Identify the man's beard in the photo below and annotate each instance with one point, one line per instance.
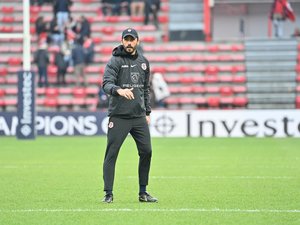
(130, 49)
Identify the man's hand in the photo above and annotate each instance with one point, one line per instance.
(148, 119)
(126, 93)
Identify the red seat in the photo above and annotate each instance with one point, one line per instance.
(212, 89)
(186, 80)
(239, 79)
(34, 10)
(7, 19)
(237, 47)
(137, 19)
(298, 102)
(211, 70)
(185, 89)
(65, 90)
(7, 9)
(213, 48)
(78, 101)
(226, 91)
(211, 79)
(109, 30)
(174, 90)
(200, 101)
(185, 100)
(50, 102)
(169, 79)
(3, 71)
(64, 102)
(198, 89)
(163, 19)
(92, 90)
(239, 89)
(52, 70)
(226, 79)
(148, 39)
(51, 92)
(96, 40)
(213, 102)
(172, 101)
(2, 93)
(240, 101)
(226, 101)
(112, 19)
(298, 88)
(11, 102)
(79, 92)
(14, 61)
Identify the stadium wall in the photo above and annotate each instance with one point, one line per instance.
(212, 123)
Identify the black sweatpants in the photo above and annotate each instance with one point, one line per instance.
(118, 130)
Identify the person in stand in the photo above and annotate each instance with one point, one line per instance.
(281, 10)
(127, 82)
(41, 58)
(79, 63)
(152, 7)
(62, 66)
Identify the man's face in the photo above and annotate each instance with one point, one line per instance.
(130, 43)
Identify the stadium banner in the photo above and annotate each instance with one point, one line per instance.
(245, 123)
(26, 105)
(168, 123)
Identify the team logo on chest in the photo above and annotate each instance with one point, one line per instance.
(134, 77)
(144, 66)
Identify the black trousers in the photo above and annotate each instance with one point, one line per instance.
(118, 130)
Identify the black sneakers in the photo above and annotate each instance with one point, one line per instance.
(146, 197)
(108, 198)
(143, 197)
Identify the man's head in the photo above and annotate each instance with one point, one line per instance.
(130, 40)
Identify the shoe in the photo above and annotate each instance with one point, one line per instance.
(146, 197)
(108, 198)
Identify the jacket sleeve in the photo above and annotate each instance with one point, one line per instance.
(110, 77)
(147, 90)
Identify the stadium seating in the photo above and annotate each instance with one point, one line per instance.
(199, 75)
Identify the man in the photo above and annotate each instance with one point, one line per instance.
(126, 81)
(281, 10)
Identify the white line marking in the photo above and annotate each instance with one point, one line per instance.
(214, 210)
(219, 177)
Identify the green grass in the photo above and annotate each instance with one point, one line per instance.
(198, 181)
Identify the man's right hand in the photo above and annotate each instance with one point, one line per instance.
(126, 93)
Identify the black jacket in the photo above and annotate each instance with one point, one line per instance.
(127, 71)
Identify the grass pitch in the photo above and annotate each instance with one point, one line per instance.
(198, 181)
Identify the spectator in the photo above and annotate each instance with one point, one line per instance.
(62, 12)
(84, 29)
(152, 6)
(55, 34)
(78, 61)
(137, 7)
(281, 10)
(61, 67)
(106, 7)
(41, 58)
(66, 49)
(40, 25)
(88, 47)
